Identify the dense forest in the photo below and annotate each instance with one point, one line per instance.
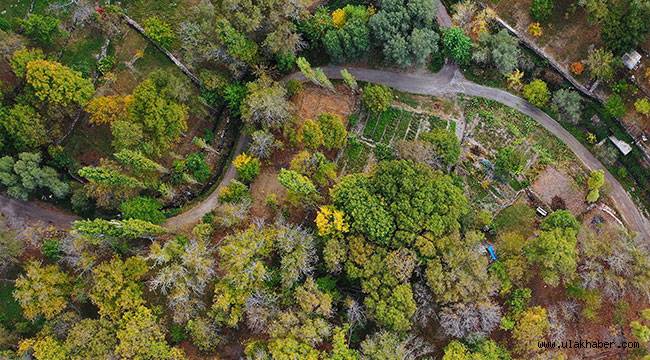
(289, 179)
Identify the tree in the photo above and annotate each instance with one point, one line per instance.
(299, 187)
(445, 145)
(625, 25)
(536, 92)
(555, 252)
(91, 339)
(156, 119)
(182, 271)
(349, 38)
(247, 167)
(463, 320)
(330, 222)
(236, 43)
(349, 80)
(24, 127)
(24, 176)
(509, 161)
(377, 98)
(42, 290)
(334, 131)
(100, 230)
(405, 30)
(483, 349)
(140, 336)
(159, 31)
(501, 49)
(58, 85)
(614, 106)
(41, 28)
(138, 163)
(262, 144)
(105, 110)
(601, 64)
(569, 104)
(143, 208)
(108, 185)
(541, 10)
(116, 286)
(310, 134)
(204, 334)
(595, 181)
(314, 166)
(458, 46)
(385, 345)
(22, 57)
(44, 348)
(316, 76)
(532, 327)
(642, 106)
(266, 104)
(196, 165)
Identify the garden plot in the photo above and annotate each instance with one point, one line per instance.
(397, 124)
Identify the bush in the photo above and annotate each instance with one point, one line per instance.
(196, 165)
(248, 167)
(509, 161)
(536, 92)
(458, 46)
(143, 208)
(234, 192)
(294, 87)
(614, 106)
(42, 29)
(310, 134)
(333, 130)
(377, 98)
(286, 62)
(51, 249)
(541, 10)
(159, 31)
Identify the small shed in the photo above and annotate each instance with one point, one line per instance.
(624, 147)
(631, 59)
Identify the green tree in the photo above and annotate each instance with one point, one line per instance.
(237, 44)
(350, 40)
(405, 30)
(140, 336)
(299, 187)
(377, 98)
(642, 106)
(159, 31)
(334, 131)
(91, 339)
(108, 185)
(117, 288)
(310, 134)
(536, 92)
(509, 161)
(501, 49)
(568, 104)
(43, 29)
(42, 290)
(595, 181)
(143, 208)
(541, 10)
(203, 334)
(625, 25)
(156, 119)
(614, 106)
(138, 162)
(458, 46)
(554, 251)
(248, 167)
(445, 145)
(24, 127)
(26, 175)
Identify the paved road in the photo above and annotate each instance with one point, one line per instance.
(193, 215)
(19, 213)
(449, 81)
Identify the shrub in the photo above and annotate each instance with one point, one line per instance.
(614, 106)
(333, 130)
(458, 46)
(51, 249)
(41, 28)
(248, 167)
(159, 31)
(642, 106)
(541, 10)
(377, 98)
(510, 161)
(234, 192)
(143, 208)
(196, 165)
(294, 87)
(310, 134)
(536, 92)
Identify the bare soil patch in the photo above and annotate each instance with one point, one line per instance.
(314, 100)
(553, 183)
